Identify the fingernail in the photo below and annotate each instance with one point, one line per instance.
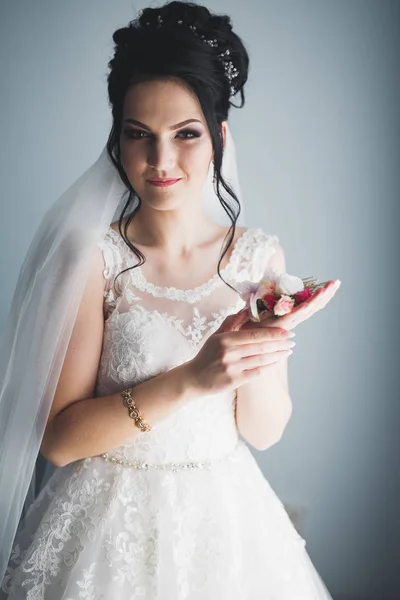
(337, 284)
(285, 333)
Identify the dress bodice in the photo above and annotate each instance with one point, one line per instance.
(101, 530)
(150, 329)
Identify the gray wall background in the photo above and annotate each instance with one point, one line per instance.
(318, 149)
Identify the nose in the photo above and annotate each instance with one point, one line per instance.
(161, 156)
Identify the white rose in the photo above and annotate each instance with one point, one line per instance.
(288, 284)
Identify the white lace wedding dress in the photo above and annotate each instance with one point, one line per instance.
(106, 530)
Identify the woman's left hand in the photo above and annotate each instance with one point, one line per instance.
(300, 313)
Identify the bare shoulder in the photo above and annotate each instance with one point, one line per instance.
(114, 226)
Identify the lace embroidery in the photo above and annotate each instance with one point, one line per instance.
(201, 291)
(135, 332)
(247, 261)
(250, 241)
(132, 341)
(107, 535)
(97, 531)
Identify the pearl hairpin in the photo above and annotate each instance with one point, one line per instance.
(231, 72)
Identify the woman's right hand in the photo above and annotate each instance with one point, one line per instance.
(230, 358)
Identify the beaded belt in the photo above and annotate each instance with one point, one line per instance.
(144, 465)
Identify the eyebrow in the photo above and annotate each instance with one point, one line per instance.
(172, 128)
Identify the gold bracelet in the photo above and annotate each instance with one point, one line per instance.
(134, 412)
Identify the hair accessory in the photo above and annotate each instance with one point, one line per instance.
(231, 72)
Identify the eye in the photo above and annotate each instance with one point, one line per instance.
(136, 134)
(191, 132)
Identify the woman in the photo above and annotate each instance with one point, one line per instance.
(168, 503)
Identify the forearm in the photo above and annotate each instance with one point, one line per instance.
(263, 409)
(95, 425)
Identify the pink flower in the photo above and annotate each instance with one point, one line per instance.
(270, 301)
(284, 306)
(303, 295)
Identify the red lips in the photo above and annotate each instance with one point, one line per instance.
(162, 182)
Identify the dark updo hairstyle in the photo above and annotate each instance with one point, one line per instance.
(145, 51)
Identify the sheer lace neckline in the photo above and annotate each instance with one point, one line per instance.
(202, 289)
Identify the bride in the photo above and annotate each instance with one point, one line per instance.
(146, 372)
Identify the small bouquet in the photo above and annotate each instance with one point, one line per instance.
(276, 294)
